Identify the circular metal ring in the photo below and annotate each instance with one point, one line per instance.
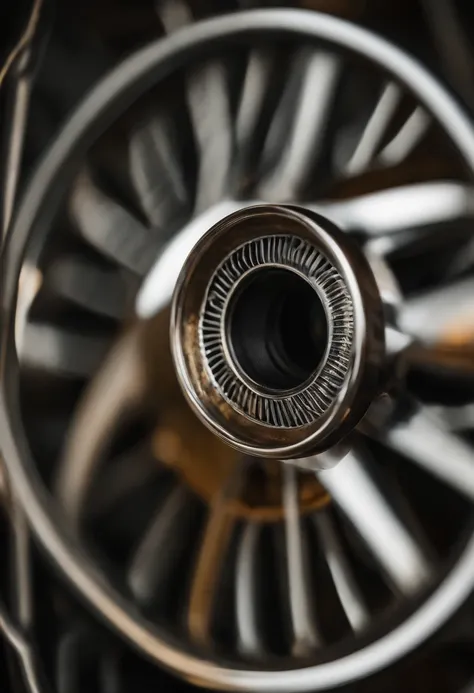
(41, 201)
(298, 421)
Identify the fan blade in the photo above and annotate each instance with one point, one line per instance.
(387, 213)
(255, 106)
(391, 544)
(424, 440)
(456, 418)
(209, 107)
(437, 315)
(111, 229)
(374, 131)
(342, 574)
(246, 598)
(207, 95)
(299, 126)
(300, 588)
(117, 388)
(407, 138)
(218, 531)
(61, 351)
(98, 290)
(157, 173)
(158, 552)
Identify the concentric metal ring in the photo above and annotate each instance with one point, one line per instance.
(320, 411)
(305, 405)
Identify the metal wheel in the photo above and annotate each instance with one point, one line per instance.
(151, 476)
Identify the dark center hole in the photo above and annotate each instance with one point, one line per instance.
(277, 329)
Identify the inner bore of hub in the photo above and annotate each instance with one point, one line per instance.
(277, 329)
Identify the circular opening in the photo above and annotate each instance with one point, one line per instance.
(277, 329)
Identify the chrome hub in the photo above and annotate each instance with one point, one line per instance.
(277, 332)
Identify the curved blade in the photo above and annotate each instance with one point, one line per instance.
(62, 351)
(207, 96)
(94, 288)
(117, 388)
(424, 440)
(157, 173)
(342, 574)
(110, 228)
(301, 589)
(246, 598)
(217, 533)
(299, 127)
(390, 542)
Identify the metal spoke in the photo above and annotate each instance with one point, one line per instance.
(94, 288)
(300, 588)
(456, 418)
(157, 553)
(210, 113)
(407, 138)
(342, 574)
(116, 389)
(157, 173)
(391, 544)
(207, 95)
(389, 212)
(110, 228)
(212, 553)
(434, 315)
(299, 127)
(424, 440)
(246, 598)
(374, 131)
(253, 99)
(62, 351)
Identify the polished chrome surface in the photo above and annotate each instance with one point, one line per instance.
(277, 339)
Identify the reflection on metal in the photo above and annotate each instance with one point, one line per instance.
(424, 440)
(62, 351)
(409, 207)
(211, 555)
(207, 96)
(342, 573)
(156, 172)
(375, 129)
(300, 588)
(14, 146)
(292, 147)
(18, 67)
(252, 103)
(241, 368)
(117, 390)
(404, 142)
(246, 597)
(392, 545)
(110, 228)
(158, 286)
(442, 315)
